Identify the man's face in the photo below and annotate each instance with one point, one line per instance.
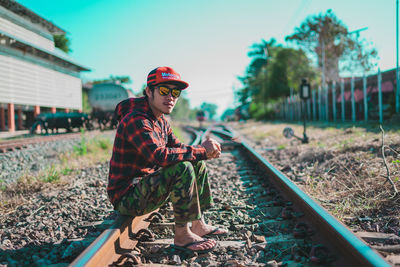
(162, 104)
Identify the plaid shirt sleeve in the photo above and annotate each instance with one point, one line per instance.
(151, 144)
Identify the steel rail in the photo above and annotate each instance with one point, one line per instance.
(116, 241)
(354, 250)
(112, 243)
(9, 145)
(20, 143)
(197, 135)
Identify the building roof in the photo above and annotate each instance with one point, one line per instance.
(28, 14)
(27, 47)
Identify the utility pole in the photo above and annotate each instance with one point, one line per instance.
(359, 30)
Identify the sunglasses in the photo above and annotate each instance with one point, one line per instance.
(165, 91)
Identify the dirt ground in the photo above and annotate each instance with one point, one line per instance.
(341, 167)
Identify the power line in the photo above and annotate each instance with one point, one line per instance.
(300, 10)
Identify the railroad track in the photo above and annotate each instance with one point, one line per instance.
(18, 144)
(271, 221)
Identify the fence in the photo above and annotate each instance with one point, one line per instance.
(369, 98)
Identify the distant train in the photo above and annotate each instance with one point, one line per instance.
(242, 113)
(103, 99)
(47, 122)
(201, 115)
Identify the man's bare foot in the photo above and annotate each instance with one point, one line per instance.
(184, 236)
(200, 228)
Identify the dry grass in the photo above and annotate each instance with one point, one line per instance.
(87, 153)
(342, 168)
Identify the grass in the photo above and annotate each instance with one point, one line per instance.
(81, 148)
(281, 147)
(260, 135)
(356, 188)
(88, 152)
(321, 145)
(52, 175)
(336, 198)
(2, 185)
(351, 183)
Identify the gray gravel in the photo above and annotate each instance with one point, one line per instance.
(37, 157)
(59, 222)
(55, 225)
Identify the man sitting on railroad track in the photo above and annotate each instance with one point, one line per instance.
(150, 166)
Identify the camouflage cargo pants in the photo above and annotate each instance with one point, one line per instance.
(176, 183)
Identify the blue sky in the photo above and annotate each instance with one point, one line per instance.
(205, 41)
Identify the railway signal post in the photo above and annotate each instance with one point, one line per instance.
(304, 95)
(201, 116)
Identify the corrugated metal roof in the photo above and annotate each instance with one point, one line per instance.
(56, 53)
(387, 87)
(26, 13)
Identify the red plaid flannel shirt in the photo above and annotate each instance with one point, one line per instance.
(142, 144)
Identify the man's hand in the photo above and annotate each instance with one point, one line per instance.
(213, 148)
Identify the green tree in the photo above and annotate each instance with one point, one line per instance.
(286, 70)
(210, 108)
(274, 69)
(181, 110)
(254, 80)
(228, 114)
(361, 58)
(270, 78)
(328, 38)
(62, 42)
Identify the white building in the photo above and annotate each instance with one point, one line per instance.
(34, 74)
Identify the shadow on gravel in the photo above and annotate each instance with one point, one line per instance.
(61, 253)
(36, 255)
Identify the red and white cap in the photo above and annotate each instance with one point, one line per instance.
(165, 75)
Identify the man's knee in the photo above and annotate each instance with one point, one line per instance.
(183, 168)
(200, 165)
(186, 164)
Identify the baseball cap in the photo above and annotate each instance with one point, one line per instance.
(165, 75)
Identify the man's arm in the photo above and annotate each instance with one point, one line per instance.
(213, 148)
(139, 132)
